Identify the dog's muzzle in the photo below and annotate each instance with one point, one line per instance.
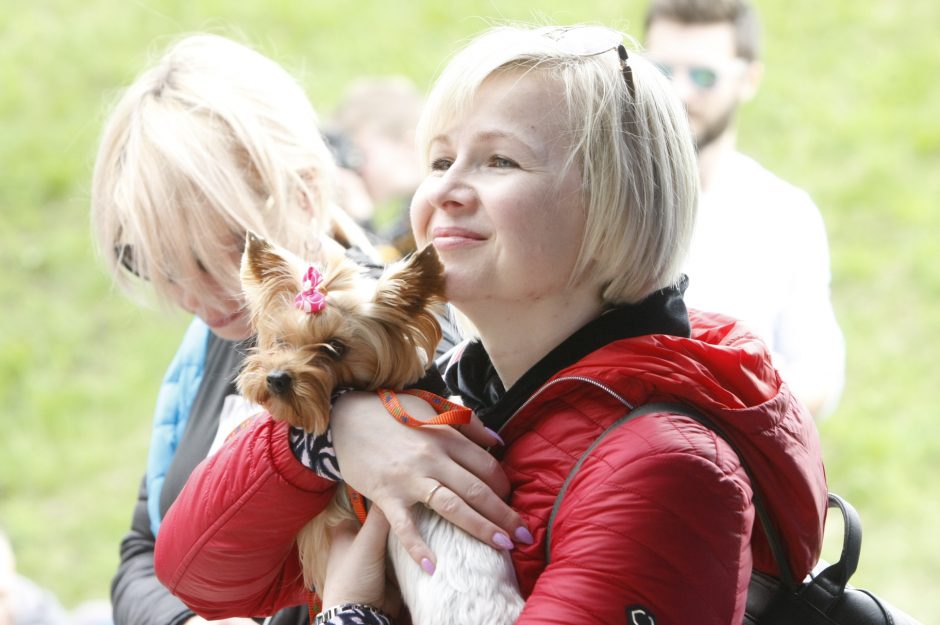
(279, 382)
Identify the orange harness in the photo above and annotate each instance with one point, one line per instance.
(448, 413)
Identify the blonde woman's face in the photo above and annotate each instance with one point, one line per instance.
(223, 311)
(504, 212)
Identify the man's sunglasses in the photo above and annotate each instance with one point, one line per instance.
(702, 77)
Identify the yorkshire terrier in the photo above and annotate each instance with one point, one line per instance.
(318, 332)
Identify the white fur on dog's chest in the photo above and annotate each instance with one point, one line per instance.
(473, 583)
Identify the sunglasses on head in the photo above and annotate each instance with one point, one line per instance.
(591, 41)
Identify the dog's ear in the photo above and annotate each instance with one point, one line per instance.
(266, 274)
(411, 285)
(406, 298)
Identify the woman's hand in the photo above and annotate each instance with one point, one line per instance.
(396, 467)
(355, 569)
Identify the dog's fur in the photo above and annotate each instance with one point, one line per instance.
(371, 334)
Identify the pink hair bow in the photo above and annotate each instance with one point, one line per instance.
(310, 300)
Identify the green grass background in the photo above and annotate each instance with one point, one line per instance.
(848, 110)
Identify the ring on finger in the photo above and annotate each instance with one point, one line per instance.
(427, 500)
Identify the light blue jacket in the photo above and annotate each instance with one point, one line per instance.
(177, 393)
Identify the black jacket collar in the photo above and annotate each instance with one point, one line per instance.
(474, 378)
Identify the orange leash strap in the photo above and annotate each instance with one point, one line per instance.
(448, 413)
(358, 503)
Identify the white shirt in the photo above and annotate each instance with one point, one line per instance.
(760, 254)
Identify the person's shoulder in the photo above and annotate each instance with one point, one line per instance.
(37, 605)
(778, 199)
(747, 170)
(666, 458)
(663, 440)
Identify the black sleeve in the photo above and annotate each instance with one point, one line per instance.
(137, 597)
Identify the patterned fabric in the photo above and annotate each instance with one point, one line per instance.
(316, 453)
(353, 614)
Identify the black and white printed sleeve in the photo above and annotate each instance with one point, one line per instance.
(316, 453)
(353, 614)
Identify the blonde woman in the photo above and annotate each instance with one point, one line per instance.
(210, 142)
(560, 194)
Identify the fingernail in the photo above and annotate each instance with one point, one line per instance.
(496, 436)
(428, 566)
(523, 535)
(502, 541)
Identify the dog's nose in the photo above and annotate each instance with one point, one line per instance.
(279, 382)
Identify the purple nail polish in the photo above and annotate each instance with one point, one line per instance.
(502, 541)
(428, 566)
(496, 436)
(523, 535)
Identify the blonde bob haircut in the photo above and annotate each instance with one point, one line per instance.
(635, 152)
(212, 141)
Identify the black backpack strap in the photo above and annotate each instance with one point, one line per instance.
(633, 414)
(777, 546)
(838, 574)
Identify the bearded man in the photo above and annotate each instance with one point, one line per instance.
(760, 251)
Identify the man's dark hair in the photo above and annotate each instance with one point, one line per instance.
(739, 13)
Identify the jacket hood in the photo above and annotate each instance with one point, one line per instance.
(720, 366)
(725, 371)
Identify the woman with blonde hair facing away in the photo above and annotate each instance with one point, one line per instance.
(560, 194)
(212, 141)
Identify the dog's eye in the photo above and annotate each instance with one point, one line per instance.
(335, 348)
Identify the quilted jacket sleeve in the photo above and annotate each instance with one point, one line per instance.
(136, 595)
(226, 546)
(663, 538)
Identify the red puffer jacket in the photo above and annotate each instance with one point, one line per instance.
(658, 520)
